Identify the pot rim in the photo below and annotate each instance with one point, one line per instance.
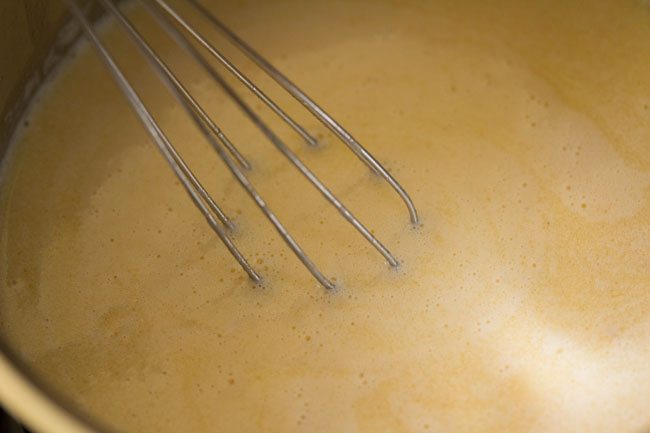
(35, 403)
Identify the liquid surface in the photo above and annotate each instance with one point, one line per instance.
(522, 303)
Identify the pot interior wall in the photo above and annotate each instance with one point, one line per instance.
(27, 36)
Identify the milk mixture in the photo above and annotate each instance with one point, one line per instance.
(522, 303)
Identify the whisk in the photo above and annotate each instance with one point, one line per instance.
(184, 33)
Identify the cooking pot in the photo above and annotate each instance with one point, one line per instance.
(35, 35)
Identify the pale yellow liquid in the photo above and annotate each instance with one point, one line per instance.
(522, 304)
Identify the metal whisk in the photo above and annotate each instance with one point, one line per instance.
(183, 33)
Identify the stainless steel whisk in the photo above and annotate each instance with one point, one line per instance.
(183, 33)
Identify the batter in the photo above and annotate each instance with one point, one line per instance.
(522, 303)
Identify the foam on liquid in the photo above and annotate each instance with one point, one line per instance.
(522, 303)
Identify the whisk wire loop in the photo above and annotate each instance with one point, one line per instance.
(305, 100)
(159, 138)
(225, 149)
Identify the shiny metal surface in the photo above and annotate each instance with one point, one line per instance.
(222, 145)
(302, 97)
(36, 35)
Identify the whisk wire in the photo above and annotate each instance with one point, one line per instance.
(159, 137)
(304, 170)
(303, 98)
(181, 40)
(232, 166)
(225, 149)
(309, 139)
